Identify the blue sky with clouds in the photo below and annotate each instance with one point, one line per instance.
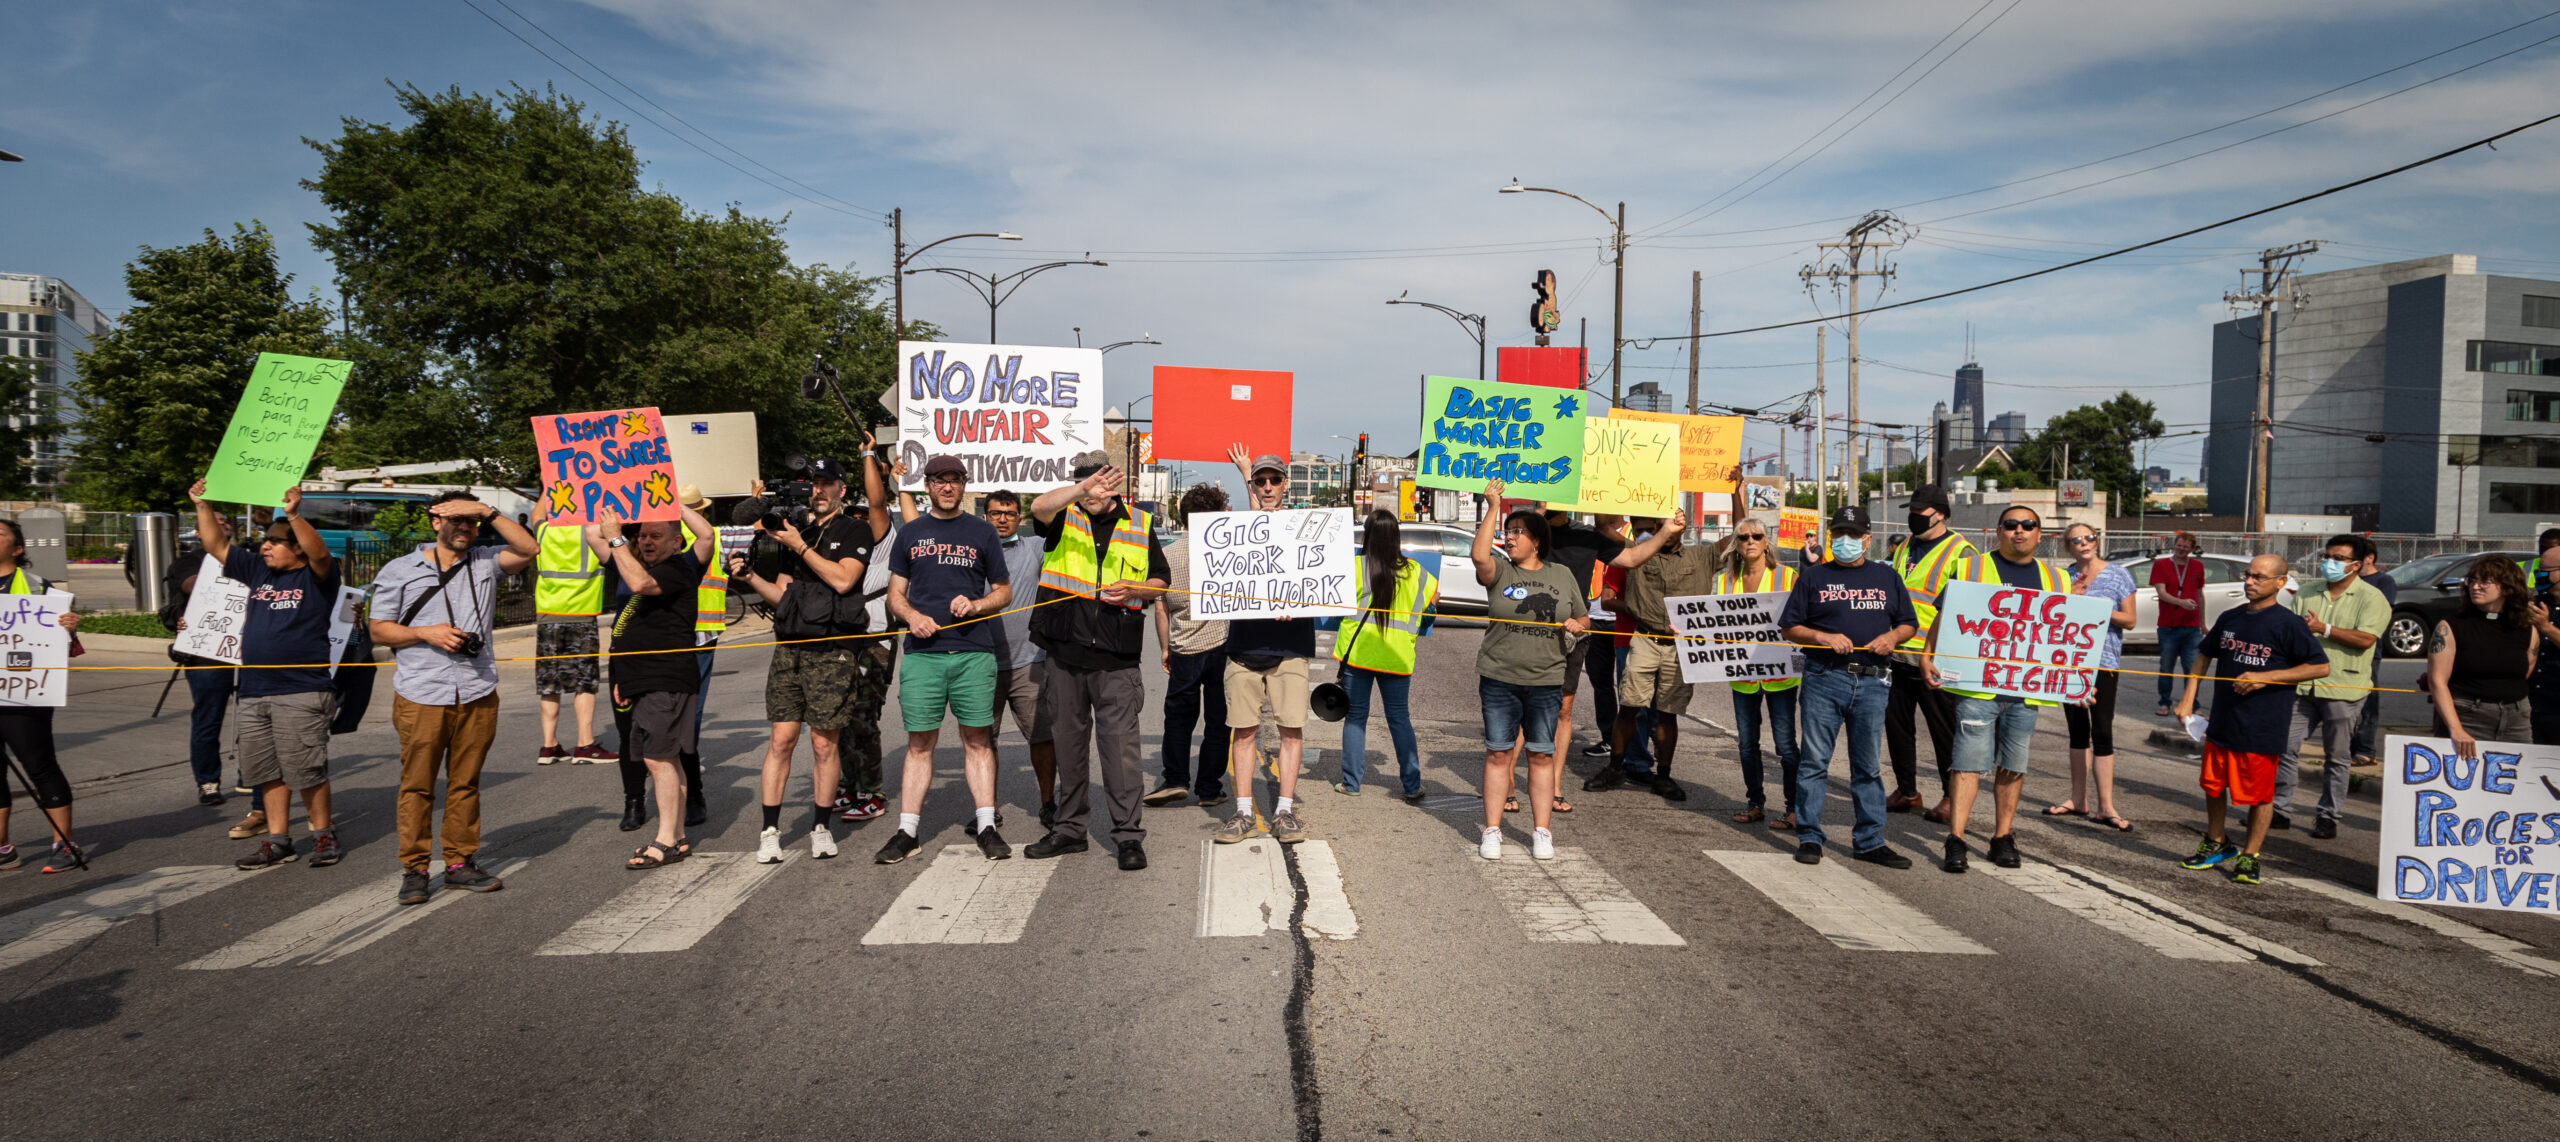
(1263, 177)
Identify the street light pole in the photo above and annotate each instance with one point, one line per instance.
(899, 255)
(1617, 255)
(996, 288)
(1473, 323)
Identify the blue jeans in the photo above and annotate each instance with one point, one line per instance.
(1355, 726)
(702, 665)
(210, 690)
(1992, 732)
(1781, 706)
(1513, 713)
(1835, 699)
(2179, 647)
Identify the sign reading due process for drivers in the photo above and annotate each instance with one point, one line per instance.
(2001, 640)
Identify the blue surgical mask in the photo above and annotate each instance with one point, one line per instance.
(2333, 570)
(1846, 548)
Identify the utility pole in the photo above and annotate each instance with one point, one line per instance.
(897, 280)
(1821, 427)
(1618, 305)
(2275, 283)
(1878, 231)
(1697, 319)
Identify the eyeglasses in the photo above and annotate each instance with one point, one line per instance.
(1269, 481)
(1514, 533)
(1004, 513)
(2020, 525)
(2077, 540)
(264, 540)
(947, 478)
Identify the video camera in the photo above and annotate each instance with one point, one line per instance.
(785, 503)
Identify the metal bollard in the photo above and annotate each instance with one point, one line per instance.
(155, 542)
(46, 536)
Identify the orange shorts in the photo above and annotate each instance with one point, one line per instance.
(2250, 778)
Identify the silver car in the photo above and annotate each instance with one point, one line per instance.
(2222, 591)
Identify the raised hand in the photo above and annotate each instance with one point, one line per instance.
(1493, 492)
(293, 501)
(195, 491)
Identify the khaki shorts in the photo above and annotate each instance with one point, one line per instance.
(1284, 686)
(1651, 678)
(1021, 690)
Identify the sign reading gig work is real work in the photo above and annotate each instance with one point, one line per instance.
(274, 430)
(1017, 415)
(1996, 640)
(2480, 832)
(1528, 437)
(614, 460)
(1733, 638)
(1273, 565)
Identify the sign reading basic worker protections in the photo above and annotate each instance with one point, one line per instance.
(1733, 638)
(2001, 640)
(2467, 832)
(34, 650)
(1629, 467)
(1529, 438)
(614, 459)
(281, 416)
(1017, 415)
(1273, 565)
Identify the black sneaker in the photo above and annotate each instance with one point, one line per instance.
(1883, 855)
(1808, 853)
(2282, 821)
(10, 857)
(1668, 789)
(470, 877)
(2324, 829)
(900, 847)
(1610, 777)
(325, 850)
(993, 846)
(1132, 858)
(272, 851)
(413, 886)
(1596, 749)
(1957, 860)
(1054, 845)
(2004, 850)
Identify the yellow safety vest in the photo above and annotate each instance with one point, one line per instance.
(1070, 564)
(1977, 568)
(711, 597)
(567, 581)
(1923, 579)
(1779, 577)
(1385, 643)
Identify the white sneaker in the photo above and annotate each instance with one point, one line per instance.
(769, 847)
(1490, 848)
(822, 844)
(1542, 844)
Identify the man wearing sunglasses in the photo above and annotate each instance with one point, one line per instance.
(286, 699)
(1993, 732)
(1266, 662)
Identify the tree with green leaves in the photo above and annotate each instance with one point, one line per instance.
(29, 417)
(156, 391)
(2101, 440)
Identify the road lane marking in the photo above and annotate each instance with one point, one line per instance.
(2510, 952)
(1571, 899)
(2268, 948)
(1245, 891)
(48, 928)
(339, 926)
(1843, 907)
(2115, 914)
(671, 909)
(964, 898)
(1454, 802)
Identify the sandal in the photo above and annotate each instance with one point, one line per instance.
(641, 861)
(684, 847)
(2065, 809)
(1560, 805)
(1511, 804)
(2119, 824)
(1783, 822)
(1754, 813)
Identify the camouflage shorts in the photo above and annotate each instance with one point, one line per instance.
(858, 747)
(574, 674)
(814, 683)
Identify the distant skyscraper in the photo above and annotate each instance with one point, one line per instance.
(2008, 428)
(1648, 396)
(1968, 398)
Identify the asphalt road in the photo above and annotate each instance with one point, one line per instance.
(1675, 975)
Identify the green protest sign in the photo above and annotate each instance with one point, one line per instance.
(1527, 436)
(275, 429)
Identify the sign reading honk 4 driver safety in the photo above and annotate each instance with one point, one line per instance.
(1016, 415)
(1273, 565)
(2001, 640)
(613, 460)
(274, 430)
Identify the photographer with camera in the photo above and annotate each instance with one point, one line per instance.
(817, 602)
(435, 608)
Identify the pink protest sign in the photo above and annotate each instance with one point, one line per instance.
(616, 459)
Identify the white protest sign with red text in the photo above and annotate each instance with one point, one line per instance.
(1014, 415)
(1994, 639)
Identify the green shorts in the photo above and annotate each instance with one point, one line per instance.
(964, 683)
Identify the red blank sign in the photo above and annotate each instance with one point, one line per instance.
(1558, 366)
(1199, 412)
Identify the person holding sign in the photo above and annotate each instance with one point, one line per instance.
(1395, 597)
(1103, 566)
(2259, 651)
(2092, 724)
(1922, 561)
(209, 684)
(946, 567)
(2349, 618)
(1993, 731)
(653, 668)
(1266, 662)
(1851, 614)
(1751, 568)
(817, 609)
(285, 694)
(27, 731)
(1533, 613)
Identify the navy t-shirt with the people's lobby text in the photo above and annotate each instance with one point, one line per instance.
(287, 625)
(1861, 602)
(2245, 640)
(942, 560)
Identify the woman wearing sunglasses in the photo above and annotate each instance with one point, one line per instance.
(1750, 568)
(2093, 739)
(2480, 659)
(1533, 611)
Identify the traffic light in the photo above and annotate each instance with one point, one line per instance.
(1544, 317)
(1360, 453)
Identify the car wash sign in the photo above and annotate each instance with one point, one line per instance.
(1015, 415)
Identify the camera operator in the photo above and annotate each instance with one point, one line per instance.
(817, 596)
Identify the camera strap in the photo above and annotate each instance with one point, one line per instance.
(420, 603)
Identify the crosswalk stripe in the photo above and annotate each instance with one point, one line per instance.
(1245, 891)
(2268, 948)
(1843, 907)
(1454, 802)
(43, 930)
(2505, 950)
(1571, 899)
(671, 909)
(2115, 914)
(964, 898)
(339, 926)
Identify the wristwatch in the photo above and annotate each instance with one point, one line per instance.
(617, 541)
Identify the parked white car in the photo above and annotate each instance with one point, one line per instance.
(2222, 591)
(1459, 591)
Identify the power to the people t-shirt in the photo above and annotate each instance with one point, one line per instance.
(942, 560)
(284, 641)
(2246, 639)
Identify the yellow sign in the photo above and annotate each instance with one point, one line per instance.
(1710, 448)
(1629, 467)
(1404, 500)
(1796, 525)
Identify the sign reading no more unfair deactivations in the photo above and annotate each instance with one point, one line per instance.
(1015, 415)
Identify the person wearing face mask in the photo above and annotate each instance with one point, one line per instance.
(1922, 563)
(2349, 618)
(1850, 613)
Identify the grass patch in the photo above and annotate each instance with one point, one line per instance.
(147, 626)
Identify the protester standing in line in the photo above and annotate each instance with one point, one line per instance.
(1659, 569)
(2259, 652)
(948, 567)
(1266, 663)
(710, 620)
(1534, 611)
(1103, 566)
(859, 781)
(286, 699)
(1022, 671)
(1395, 598)
(210, 682)
(1993, 731)
(818, 612)
(1921, 561)
(2179, 616)
(444, 681)
(2092, 723)
(27, 731)
(2480, 658)
(1852, 614)
(1579, 550)
(654, 675)
(568, 597)
(2544, 686)
(2349, 617)
(2368, 745)
(1195, 666)
(1749, 567)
